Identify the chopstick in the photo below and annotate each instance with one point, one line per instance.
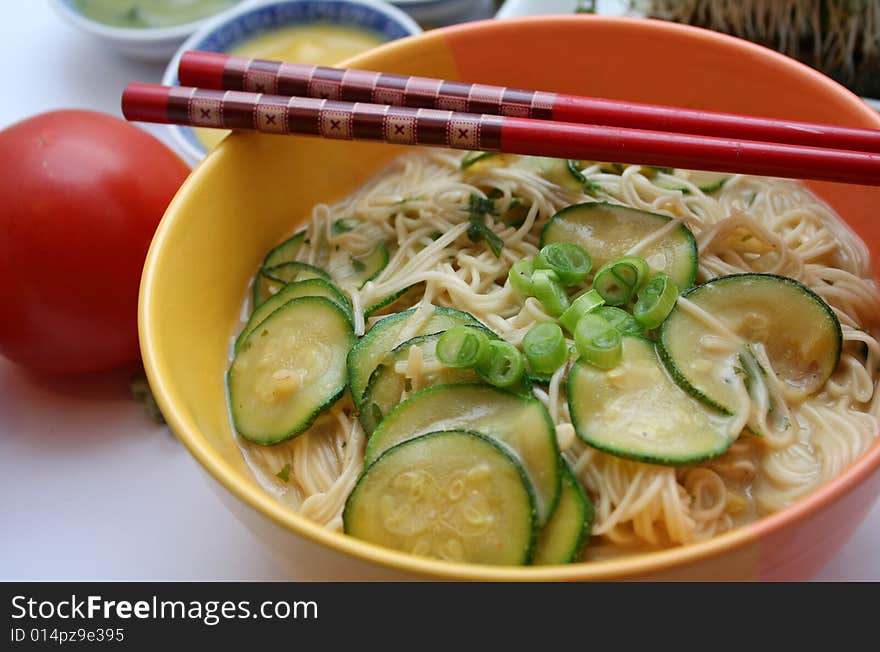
(278, 114)
(226, 72)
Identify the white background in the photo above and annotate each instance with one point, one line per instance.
(90, 489)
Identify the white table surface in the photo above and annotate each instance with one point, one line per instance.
(90, 488)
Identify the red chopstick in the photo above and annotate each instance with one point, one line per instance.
(225, 72)
(279, 114)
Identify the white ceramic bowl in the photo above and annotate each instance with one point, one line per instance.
(146, 44)
(235, 26)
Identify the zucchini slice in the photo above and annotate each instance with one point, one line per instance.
(386, 386)
(471, 159)
(607, 231)
(355, 272)
(285, 252)
(397, 302)
(568, 530)
(636, 411)
(372, 348)
(289, 369)
(799, 331)
(519, 422)
(313, 287)
(563, 172)
(270, 280)
(707, 182)
(453, 495)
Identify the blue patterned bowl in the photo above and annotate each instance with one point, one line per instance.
(232, 28)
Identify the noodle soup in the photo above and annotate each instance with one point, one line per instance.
(567, 360)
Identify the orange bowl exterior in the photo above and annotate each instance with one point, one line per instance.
(254, 189)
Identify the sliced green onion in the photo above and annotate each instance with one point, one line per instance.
(520, 276)
(624, 322)
(547, 290)
(503, 366)
(618, 280)
(598, 342)
(544, 348)
(584, 303)
(463, 347)
(568, 260)
(656, 301)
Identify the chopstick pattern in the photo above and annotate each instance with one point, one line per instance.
(277, 114)
(227, 72)
(348, 85)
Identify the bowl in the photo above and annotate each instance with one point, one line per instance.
(232, 28)
(250, 191)
(146, 44)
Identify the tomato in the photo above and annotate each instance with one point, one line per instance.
(81, 194)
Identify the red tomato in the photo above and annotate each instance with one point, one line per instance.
(80, 196)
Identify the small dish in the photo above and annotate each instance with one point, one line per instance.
(232, 28)
(144, 43)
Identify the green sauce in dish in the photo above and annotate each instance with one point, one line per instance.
(149, 13)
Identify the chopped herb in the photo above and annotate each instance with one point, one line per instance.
(358, 265)
(751, 199)
(435, 235)
(478, 209)
(344, 225)
(592, 186)
(284, 474)
(585, 7)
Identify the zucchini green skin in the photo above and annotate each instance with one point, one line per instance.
(285, 252)
(562, 540)
(529, 434)
(277, 277)
(473, 156)
(503, 548)
(369, 351)
(381, 262)
(560, 226)
(313, 287)
(707, 182)
(691, 385)
(406, 297)
(312, 309)
(686, 432)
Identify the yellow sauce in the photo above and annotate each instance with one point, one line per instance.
(322, 44)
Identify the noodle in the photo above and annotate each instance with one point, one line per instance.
(750, 225)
